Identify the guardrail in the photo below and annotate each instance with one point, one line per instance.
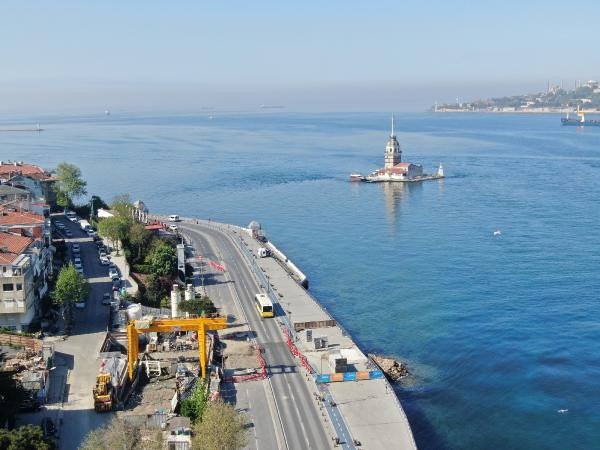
(261, 278)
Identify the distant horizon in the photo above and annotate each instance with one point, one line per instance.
(76, 97)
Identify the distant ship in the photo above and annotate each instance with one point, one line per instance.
(581, 121)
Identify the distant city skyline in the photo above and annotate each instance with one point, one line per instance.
(136, 55)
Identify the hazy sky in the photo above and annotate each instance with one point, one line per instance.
(178, 54)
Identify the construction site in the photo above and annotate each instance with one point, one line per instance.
(150, 363)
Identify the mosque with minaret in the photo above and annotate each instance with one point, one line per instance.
(394, 169)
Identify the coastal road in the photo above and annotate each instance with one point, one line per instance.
(294, 404)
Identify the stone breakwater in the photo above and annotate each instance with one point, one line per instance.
(394, 370)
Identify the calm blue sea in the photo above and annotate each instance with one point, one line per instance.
(501, 332)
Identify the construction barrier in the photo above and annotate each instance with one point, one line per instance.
(296, 352)
(349, 376)
(255, 376)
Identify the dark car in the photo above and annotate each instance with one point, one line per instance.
(48, 427)
(29, 405)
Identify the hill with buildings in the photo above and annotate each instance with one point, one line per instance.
(556, 99)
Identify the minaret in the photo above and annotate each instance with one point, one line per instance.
(393, 154)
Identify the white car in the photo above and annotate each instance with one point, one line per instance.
(104, 261)
(80, 305)
(113, 273)
(174, 218)
(173, 227)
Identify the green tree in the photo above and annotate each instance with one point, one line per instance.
(122, 435)
(154, 289)
(28, 437)
(139, 237)
(198, 306)
(221, 428)
(69, 184)
(71, 287)
(194, 406)
(115, 229)
(163, 260)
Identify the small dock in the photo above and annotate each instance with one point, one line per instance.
(368, 179)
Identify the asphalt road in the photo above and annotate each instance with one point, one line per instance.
(297, 412)
(79, 352)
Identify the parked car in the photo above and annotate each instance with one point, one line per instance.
(48, 427)
(104, 261)
(174, 218)
(106, 298)
(29, 404)
(113, 272)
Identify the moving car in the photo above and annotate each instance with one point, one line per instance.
(173, 227)
(75, 246)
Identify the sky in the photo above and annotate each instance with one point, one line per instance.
(323, 55)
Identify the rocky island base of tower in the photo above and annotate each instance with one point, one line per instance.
(396, 170)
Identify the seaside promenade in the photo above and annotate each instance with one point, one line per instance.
(289, 409)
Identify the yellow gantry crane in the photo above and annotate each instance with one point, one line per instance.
(201, 325)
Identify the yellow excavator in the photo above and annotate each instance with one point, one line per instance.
(103, 393)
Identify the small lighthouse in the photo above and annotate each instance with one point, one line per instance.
(441, 171)
(393, 154)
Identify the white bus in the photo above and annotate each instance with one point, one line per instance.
(263, 305)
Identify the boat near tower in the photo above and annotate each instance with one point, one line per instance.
(394, 169)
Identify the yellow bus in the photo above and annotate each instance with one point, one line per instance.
(263, 305)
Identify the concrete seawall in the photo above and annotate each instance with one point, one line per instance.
(369, 408)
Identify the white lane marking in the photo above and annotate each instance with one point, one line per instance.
(253, 421)
(298, 412)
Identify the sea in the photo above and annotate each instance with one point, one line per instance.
(485, 283)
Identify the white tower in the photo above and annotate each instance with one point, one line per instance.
(175, 299)
(441, 171)
(393, 154)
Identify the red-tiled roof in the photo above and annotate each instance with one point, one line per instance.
(12, 246)
(20, 218)
(10, 169)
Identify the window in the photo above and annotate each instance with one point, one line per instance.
(8, 287)
(19, 287)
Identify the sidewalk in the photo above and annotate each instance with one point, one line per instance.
(130, 285)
